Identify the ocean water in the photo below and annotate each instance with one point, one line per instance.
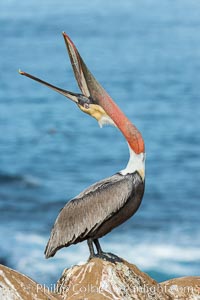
(147, 56)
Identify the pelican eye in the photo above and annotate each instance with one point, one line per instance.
(86, 105)
(84, 101)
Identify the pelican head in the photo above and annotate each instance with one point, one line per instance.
(86, 104)
(94, 100)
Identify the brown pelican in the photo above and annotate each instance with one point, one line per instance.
(111, 201)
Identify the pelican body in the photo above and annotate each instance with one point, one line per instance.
(111, 201)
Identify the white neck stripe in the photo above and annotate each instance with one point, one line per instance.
(136, 163)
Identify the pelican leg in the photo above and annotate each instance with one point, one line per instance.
(98, 246)
(105, 256)
(91, 248)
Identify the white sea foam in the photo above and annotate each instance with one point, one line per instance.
(30, 238)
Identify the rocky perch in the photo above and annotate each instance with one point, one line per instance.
(99, 279)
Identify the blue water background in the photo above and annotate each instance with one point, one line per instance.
(147, 56)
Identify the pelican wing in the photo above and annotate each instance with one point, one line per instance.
(81, 216)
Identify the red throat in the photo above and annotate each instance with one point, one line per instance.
(130, 132)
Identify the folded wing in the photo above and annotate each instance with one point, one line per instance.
(83, 215)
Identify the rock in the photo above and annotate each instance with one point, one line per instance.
(16, 286)
(102, 280)
(99, 279)
(185, 288)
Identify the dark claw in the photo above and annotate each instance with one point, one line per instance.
(107, 257)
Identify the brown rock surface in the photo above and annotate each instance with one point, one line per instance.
(102, 280)
(185, 288)
(99, 279)
(16, 286)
